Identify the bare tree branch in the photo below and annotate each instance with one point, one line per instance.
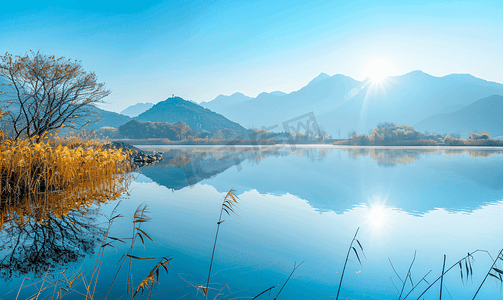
(48, 93)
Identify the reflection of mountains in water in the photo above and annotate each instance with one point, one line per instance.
(338, 184)
(186, 167)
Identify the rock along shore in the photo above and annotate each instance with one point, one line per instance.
(138, 157)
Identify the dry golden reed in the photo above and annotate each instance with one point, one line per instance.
(56, 174)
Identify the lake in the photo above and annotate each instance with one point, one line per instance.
(302, 204)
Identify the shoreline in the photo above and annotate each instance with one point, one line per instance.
(327, 146)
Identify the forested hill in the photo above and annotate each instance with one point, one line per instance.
(195, 116)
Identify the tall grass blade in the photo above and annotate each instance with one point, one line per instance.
(295, 266)
(442, 278)
(71, 281)
(358, 257)
(408, 276)
(490, 274)
(393, 267)
(227, 205)
(263, 292)
(422, 279)
(143, 232)
(140, 258)
(346, 261)
(19, 291)
(458, 263)
(487, 274)
(461, 270)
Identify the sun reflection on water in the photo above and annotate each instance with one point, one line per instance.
(377, 216)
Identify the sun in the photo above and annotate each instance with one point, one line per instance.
(378, 69)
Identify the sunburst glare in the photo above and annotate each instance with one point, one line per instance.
(378, 69)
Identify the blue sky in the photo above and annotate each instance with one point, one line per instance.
(148, 50)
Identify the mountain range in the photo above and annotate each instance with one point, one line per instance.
(456, 103)
(481, 115)
(342, 104)
(322, 93)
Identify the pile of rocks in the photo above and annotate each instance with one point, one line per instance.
(142, 158)
(138, 157)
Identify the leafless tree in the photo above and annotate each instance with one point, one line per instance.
(47, 93)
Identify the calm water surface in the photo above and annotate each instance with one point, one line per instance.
(305, 205)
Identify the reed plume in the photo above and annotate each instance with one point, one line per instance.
(227, 207)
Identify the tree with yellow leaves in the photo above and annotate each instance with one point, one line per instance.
(47, 93)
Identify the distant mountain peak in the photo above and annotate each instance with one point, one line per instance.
(275, 93)
(319, 78)
(236, 97)
(224, 100)
(136, 109)
(466, 75)
(278, 93)
(417, 73)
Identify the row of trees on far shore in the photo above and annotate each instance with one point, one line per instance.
(389, 134)
(178, 131)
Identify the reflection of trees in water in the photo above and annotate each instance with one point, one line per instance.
(473, 153)
(37, 246)
(390, 157)
(45, 231)
(178, 159)
(393, 157)
(312, 154)
(357, 152)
